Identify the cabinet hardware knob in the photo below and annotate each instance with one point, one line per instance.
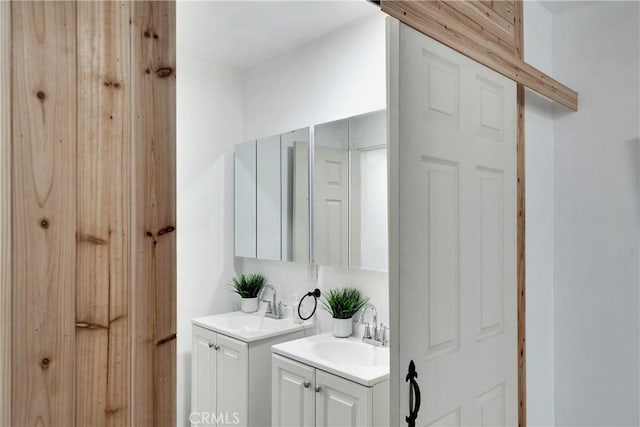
(318, 388)
(211, 345)
(216, 347)
(306, 384)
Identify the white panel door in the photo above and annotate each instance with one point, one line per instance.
(342, 403)
(232, 381)
(457, 236)
(332, 206)
(292, 393)
(268, 200)
(203, 375)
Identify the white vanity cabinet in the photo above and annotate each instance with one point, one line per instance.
(303, 396)
(219, 382)
(231, 367)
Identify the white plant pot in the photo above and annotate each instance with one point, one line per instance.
(249, 305)
(342, 328)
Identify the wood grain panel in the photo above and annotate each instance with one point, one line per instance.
(504, 8)
(469, 26)
(522, 372)
(44, 212)
(430, 18)
(487, 18)
(154, 210)
(103, 192)
(521, 240)
(5, 213)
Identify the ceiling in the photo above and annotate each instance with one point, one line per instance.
(242, 34)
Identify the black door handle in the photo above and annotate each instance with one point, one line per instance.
(414, 395)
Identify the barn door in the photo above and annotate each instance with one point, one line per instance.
(456, 210)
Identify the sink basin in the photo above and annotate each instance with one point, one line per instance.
(350, 353)
(349, 358)
(249, 323)
(249, 327)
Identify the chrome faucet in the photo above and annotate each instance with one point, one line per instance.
(378, 336)
(274, 310)
(367, 331)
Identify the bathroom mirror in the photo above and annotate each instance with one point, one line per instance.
(331, 193)
(368, 154)
(272, 197)
(268, 198)
(350, 217)
(245, 199)
(295, 195)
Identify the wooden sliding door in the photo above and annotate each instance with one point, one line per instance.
(88, 197)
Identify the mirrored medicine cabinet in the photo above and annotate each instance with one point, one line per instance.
(346, 225)
(272, 197)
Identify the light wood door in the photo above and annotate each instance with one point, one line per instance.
(457, 236)
(292, 393)
(342, 403)
(203, 375)
(232, 381)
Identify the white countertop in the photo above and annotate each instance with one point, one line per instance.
(249, 327)
(349, 358)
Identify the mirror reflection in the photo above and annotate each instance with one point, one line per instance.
(268, 198)
(331, 188)
(245, 199)
(368, 148)
(295, 195)
(351, 192)
(272, 197)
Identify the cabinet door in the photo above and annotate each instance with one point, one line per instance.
(342, 403)
(268, 199)
(245, 200)
(232, 381)
(292, 395)
(203, 375)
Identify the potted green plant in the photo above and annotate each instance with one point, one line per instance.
(343, 304)
(248, 286)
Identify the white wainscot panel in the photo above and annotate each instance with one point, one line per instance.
(443, 305)
(491, 252)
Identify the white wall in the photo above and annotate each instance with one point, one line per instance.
(596, 300)
(210, 106)
(338, 76)
(333, 78)
(539, 222)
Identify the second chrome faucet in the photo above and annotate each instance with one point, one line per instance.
(378, 336)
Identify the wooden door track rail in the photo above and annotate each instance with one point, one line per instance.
(484, 33)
